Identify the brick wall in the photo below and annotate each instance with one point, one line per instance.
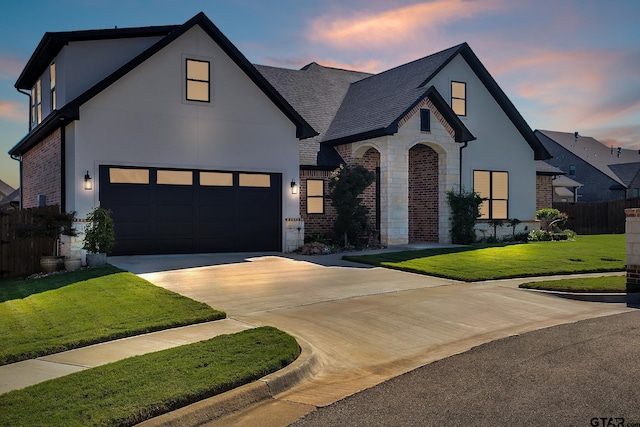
(316, 224)
(42, 172)
(544, 191)
(370, 161)
(632, 231)
(423, 194)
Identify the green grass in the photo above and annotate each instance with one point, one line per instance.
(132, 390)
(76, 309)
(598, 253)
(590, 284)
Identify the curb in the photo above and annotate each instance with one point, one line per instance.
(213, 408)
(611, 297)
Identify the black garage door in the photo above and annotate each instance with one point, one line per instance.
(169, 211)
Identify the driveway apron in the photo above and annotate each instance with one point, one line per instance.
(364, 324)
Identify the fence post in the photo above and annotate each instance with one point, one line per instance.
(632, 228)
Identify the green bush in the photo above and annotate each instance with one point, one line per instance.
(539, 236)
(465, 211)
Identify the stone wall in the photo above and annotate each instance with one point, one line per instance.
(632, 230)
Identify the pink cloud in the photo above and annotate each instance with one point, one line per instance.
(374, 30)
(13, 111)
(10, 67)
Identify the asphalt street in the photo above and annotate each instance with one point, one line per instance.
(580, 374)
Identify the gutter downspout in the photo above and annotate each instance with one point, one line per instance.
(462, 147)
(19, 157)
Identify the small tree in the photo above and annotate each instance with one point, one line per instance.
(346, 185)
(99, 235)
(48, 223)
(514, 223)
(465, 211)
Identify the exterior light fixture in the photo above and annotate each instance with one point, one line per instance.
(294, 187)
(88, 181)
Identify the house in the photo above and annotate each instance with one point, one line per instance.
(602, 173)
(5, 190)
(195, 149)
(548, 184)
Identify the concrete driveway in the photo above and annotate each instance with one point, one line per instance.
(364, 325)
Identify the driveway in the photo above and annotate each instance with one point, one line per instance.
(364, 325)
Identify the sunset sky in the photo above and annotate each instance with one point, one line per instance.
(567, 65)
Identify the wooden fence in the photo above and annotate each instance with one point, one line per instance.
(597, 217)
(20, 257)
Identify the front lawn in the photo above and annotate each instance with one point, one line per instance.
(587, 284)
(61, 312)
(585, 254)
(130, 391)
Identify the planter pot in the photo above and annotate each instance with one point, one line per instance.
(96, 260)
(72, 264)
(49, 264)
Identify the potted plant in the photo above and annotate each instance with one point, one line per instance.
(99, 236)
(49, 223)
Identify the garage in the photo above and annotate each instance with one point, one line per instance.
(171, 211)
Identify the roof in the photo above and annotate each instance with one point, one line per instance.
(5, 189)
(71, 111)
(617, 164)
(544, 168)
(565, 181)
(347, 106)
(14, 196)
(316, 92)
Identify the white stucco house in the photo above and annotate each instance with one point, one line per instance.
(195, 149)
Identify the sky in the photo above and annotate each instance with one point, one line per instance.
(567, 65)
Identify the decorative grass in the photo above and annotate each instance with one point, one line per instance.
(588, 284)
(66, 311)
(585, 254)
(142, 387)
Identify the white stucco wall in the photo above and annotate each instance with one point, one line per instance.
(499, 146)
(142, 120)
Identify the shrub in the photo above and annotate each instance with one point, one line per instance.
(465, 211)
(538, 236)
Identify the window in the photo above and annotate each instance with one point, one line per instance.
(425, 120)
(52, 76)
(255, 180)
(216, 179)
(572, 169)
(128, 176)
(198, 80)
(171, 177)
(459, 98)
(36, 103)
(493, 186)
(636, 192)
(315, 196)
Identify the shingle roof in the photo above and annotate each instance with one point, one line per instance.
(626, 171)
(316, 92)
(597, 154)
(544, 168)
(5, 189)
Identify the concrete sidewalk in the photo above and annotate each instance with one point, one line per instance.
(29, 372)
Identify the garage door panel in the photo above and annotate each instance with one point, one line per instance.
(218, 216)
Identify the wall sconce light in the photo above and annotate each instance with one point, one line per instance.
(88, 181)
(294, 187)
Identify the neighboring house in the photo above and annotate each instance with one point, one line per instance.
(565, 189)
(194, 149)
(604, 173)
(5, 190)
(546, 175)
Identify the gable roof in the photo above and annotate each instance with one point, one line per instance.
(387, 96)
(316, 92)
(5, 189)
(618, 167)
(544, 168)
(71, 111)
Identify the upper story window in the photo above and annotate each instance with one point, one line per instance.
(198, 80)
(425, 120)
(459, 98)
(52, 76)
(572, 169)
(494, 187)
(36, 103)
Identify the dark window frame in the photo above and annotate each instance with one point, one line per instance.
(321, 197)
(458, 98)
(425, 120)
(187, 80)
(489, 200)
